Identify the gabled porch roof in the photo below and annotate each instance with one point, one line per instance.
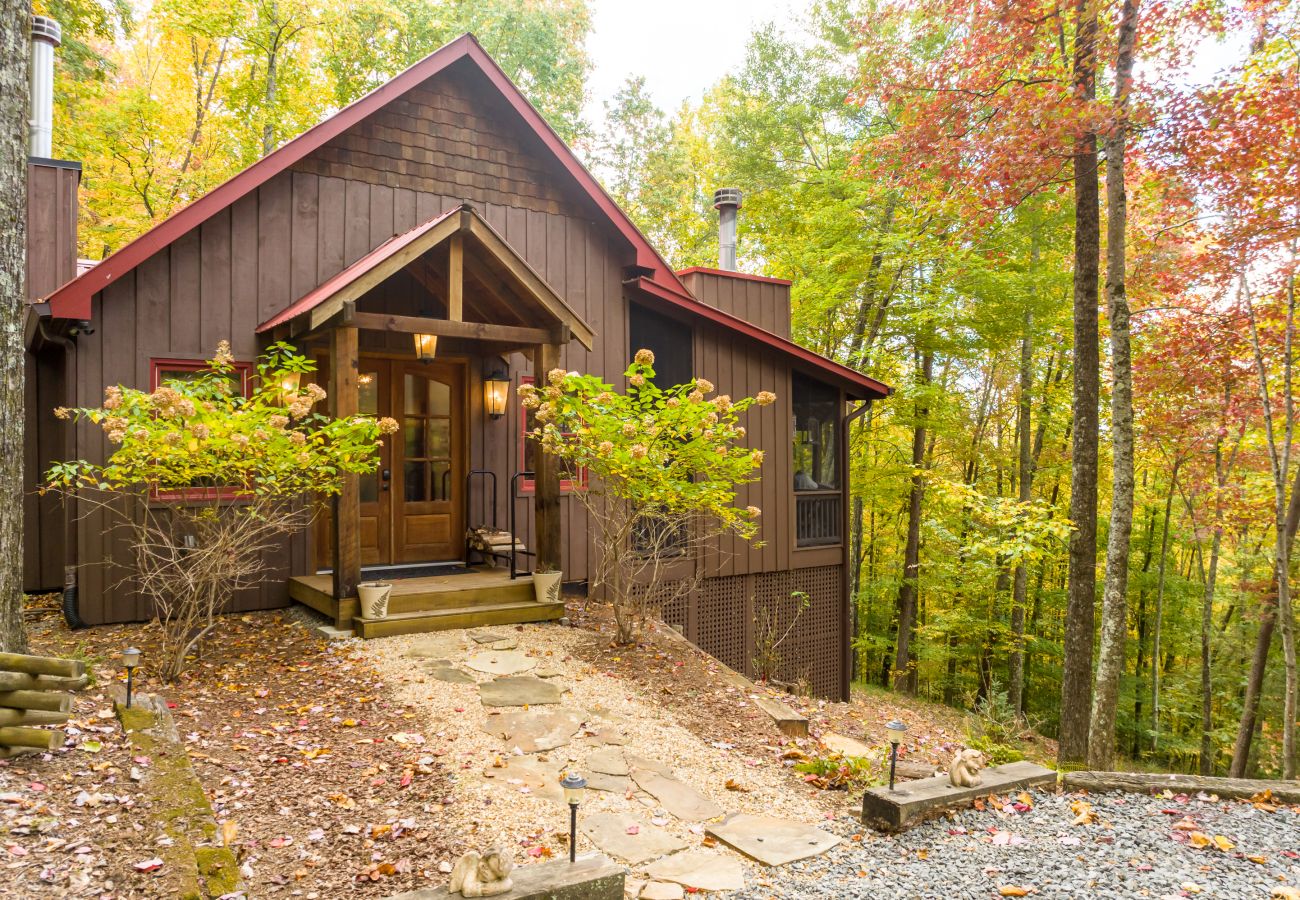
(489, 259)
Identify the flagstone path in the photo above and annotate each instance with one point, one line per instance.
(517, 711)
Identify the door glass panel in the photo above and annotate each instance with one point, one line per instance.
(440, 438)
(415, 475)
(417, 398)
(439, 399)
(369, 485)
(368, 394)
(416, 448)
(442, 480)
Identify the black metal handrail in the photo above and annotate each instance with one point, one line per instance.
(514, 537)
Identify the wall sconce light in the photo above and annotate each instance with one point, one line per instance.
(897, 731)
(426, 345)
(574, 785)
(130, 659)
(289, 382)
(496, 393)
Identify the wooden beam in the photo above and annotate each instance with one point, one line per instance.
(546, 496)
(344, 364)
(483, 331)
(456, 278)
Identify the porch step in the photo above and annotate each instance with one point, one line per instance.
(472, 616)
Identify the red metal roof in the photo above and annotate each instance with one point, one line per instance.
(333, 285)
(867, 388)
(73, 299)
(727, 273)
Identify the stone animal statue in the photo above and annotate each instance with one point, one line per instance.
(482, 875)
(965, 769)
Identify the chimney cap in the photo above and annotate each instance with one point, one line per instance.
(46, 29)
(726, 197)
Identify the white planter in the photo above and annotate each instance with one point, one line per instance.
(547, 586)
(374, 599)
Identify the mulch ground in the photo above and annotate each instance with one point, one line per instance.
(316, 777)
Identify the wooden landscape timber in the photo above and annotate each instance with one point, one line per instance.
(34, 691)
(913, 802)
(1140, 783)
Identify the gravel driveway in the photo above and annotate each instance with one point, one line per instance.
(1138, 847)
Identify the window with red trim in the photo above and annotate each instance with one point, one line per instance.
(569, 479)
(164, 370)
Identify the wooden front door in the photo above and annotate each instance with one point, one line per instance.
(412, 507)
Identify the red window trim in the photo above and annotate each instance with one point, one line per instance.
(169, 364)
(528, 485)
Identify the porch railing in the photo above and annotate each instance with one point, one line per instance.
(817, 518)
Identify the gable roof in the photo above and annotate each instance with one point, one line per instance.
(400, 250)
(73, 299)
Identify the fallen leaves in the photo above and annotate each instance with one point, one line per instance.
(1083, 812)
(148, 865)
(1264, 802)
(1012, 890)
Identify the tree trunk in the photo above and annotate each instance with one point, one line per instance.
(1114, 603)
(1020, 581)
(14, 53)
(1207, 698)
(1139, 664)
(1259, 662)
(904, 655)
(1076, 678)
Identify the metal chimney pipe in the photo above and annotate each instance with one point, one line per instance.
(727, 201)
(46, 35)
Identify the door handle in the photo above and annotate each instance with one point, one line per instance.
(384, 476)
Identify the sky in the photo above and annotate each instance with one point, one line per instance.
(682, 47)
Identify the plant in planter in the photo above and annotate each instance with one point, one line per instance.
(663, 465)
(206, 480)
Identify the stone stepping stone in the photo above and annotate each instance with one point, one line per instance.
(541, 778)
(534, 730)
(487, 635)
(443, 670)
(609, 736)
(433, 646)
(681, 801)
(772, 841)
(612, 784)
(501, 662)
(549, 672)
(662, 890)
(845, 746)
(700, 869)
(506, 644)
(519, 690)
(609, 832)
(651, 765)
(608, 762)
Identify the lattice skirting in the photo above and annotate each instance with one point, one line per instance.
(721, 619)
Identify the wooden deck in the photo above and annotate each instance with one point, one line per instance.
(433, 603)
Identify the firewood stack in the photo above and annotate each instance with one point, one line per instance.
(34, 691)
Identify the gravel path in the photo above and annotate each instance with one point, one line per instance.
(1133, 850)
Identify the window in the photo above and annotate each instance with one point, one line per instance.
(670, 341)
(569, 480)
(164, 370)
(816, 462)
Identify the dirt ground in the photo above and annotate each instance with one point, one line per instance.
(326, 772)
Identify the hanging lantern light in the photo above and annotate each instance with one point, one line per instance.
(496, 393)
(426, 346)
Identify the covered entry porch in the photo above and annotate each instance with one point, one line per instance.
(409, 331)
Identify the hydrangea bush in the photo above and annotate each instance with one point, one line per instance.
(207, 481)
(663, 465)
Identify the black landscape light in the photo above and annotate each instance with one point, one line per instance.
(130, 659)
(574, 785)
(897, 731)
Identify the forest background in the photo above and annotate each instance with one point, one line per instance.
(1065, 232)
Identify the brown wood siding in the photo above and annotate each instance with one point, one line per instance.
(762, 303)
(51, 226)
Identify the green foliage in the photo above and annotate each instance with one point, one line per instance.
(995, 728)
(204, 432)
(845, 773)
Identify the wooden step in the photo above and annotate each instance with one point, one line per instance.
(421, 622)
(449, 597)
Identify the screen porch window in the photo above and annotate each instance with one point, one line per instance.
(162, 371)
(528, 449)
(671, 342)
(817, 488)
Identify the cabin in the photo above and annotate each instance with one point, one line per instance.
(435, 245)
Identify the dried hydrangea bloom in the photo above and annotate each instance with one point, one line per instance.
(606, 447)
(200, 431)
(224, 357)
(673, 402)
(278, 421)
(722, 402)
(388, 426)
(297, 437)
(754, 511)
(637, 380)
(758, 457)
(765, 398)
(62, 412)
(645, 357)
(629, 430)
(172, 437)
(639, 451)
(695, 396)
(703, 385)
(555, 377)
(185, 407)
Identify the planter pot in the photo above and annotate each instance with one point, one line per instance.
(547, 586)
(374, 599)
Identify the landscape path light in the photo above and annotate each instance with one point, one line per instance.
(130, 659)
(574, 785)
(897, 731)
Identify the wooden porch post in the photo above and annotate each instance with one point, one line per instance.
(546, 496)
(344, 365)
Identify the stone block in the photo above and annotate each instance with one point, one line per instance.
(592, 877)
(914, 801)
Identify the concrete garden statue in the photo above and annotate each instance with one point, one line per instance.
(482, 875)
(965, 769)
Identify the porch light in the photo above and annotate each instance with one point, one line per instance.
(496, 391)
(289, 385)
(426, 345)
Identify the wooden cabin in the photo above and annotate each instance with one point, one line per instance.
(439, 204)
